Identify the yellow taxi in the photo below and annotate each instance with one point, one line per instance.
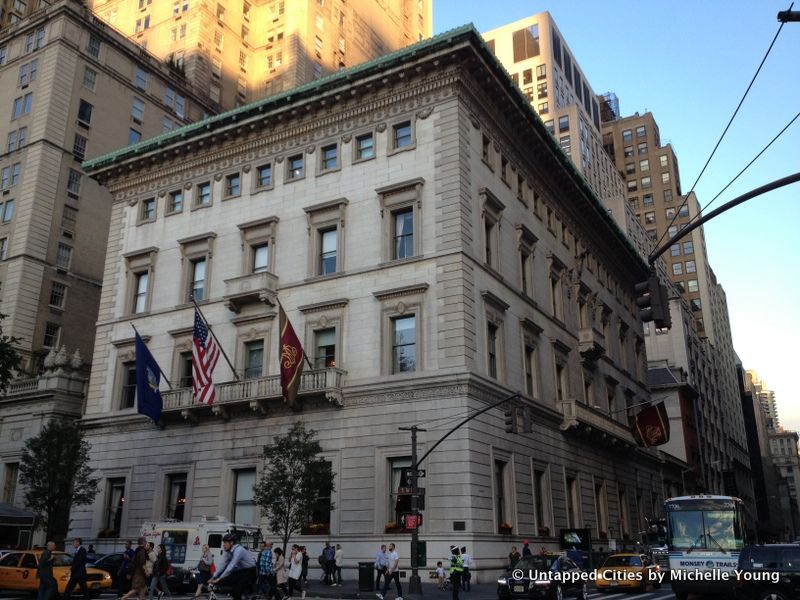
(18, 572)
(626, 571)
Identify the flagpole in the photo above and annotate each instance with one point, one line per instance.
(164, 375)
(308, 362)
(211, 331)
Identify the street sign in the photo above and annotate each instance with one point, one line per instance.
(407, 472)
(412, 521)
(409, 491)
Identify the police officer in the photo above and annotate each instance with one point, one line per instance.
(456, 569)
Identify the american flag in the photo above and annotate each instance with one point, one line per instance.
(205, 355)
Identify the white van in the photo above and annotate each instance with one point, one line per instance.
(184, 541)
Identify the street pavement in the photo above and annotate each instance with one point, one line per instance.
(349, 591)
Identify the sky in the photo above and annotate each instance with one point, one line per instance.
(689, 63)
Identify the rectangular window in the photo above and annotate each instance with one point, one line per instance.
(327, 255)
(134, 136)
(63, 256)
(646, 183)
(261, 258)
(627, 136)
(79, 147)
(115, 503)
(688, 247)
(565, 143)
(57, 294)
(175, 202)
(325, 348)
(140, 292)
(695, 304)
(176, 498)
(3, 248)
(675, 250)
(264, 175)
(11, 141)
(642, 148)
(401, 135)
(74, 183)
(641, 132)
(3, 54)
(649, 218)
(541, 90)
(198, 279)
(8, 211)
(294, 167)
(244, 505)
(692, 285)
(148, 210)
(403, 233)
(203, 194)
(491, 349)
(665, 178)
(51, 336)
(572, 502)
(501, 511)
(677, 268)
(16, 169)
(544, 108)
(22, 105)
(531, 371)
(691, 266)
(137, 110)
(253, 359)
(563, 123)
(662, 160)
(185, 366)
(233, 185)
(93, 46)
(329, 157)
(683, 211)
(365, 146)
(10, 482)
(140, 78)
(644, 165)
(628, 151)
(526, 43)
(647, 199)
(404, 344)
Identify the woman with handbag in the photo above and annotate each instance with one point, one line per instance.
(161, 569)
(204, 569)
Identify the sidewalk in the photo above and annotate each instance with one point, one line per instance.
(349, 591)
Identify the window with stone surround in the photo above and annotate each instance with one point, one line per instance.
(258, 245)
(140, 270)
(495, 309)
(526, 245)
(491, 214)
(326, 232)
(401, 329)
(323, 332)
(401, 214)
(196, 252)
(530, 358)
(542, 498)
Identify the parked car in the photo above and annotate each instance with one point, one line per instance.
(181, 580)
(626, 571)
(552, 577)
(769, 572)
(18, 572)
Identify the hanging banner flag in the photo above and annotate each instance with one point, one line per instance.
(148, 379)
(651, 426)
(291, 359)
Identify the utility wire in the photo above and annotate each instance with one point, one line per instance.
(719, 141)
(755, 158)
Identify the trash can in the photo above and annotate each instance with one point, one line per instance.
(366, 581)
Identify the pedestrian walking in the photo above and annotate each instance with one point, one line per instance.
(329, 557)
(150, 550)
(280, 574)
(48, 588)
(304, 572)
(266, 571)
(77, 571)
(295, 569)
(338, 560)
(392, 572)
(513, 558)
(456, 570)
(137, 571)
(380, 566)
(160, 569)
(466, 576)
(526, 549)
(204, 569)
(440, 575)
(125, 571)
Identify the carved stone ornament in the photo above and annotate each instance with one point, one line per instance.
(62, 358)
(310, 149)
(76, 362)
(246, 169)
(346, 138)
(424, 113)
(50, 359)
(401, 307)
(381, 127)
(162, 193)
(218, 177)
(279, 159)
(188, 186)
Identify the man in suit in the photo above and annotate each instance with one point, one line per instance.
(77, 572)
(47, 584)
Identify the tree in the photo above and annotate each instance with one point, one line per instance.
(9, 357)
(295, 478)
(55, 470)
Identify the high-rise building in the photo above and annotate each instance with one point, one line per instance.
(13, 11)
(766, 398)
(435, 252)
(783, 446)
(73, 89)
(238, 51)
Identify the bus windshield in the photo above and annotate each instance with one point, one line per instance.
(705, 529)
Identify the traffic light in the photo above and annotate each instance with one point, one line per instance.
(511, 417)
(651, 298)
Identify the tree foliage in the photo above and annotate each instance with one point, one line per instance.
(295, 477)
(55, 471)
(9, 357)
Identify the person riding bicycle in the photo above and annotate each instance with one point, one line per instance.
(240, 570)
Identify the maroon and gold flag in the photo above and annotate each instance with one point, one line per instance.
(291, 359)
(651, 426)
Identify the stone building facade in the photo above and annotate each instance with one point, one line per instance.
(435, 251)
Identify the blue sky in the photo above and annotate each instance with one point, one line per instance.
(689, 64)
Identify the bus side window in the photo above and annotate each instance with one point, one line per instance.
(215, 540)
